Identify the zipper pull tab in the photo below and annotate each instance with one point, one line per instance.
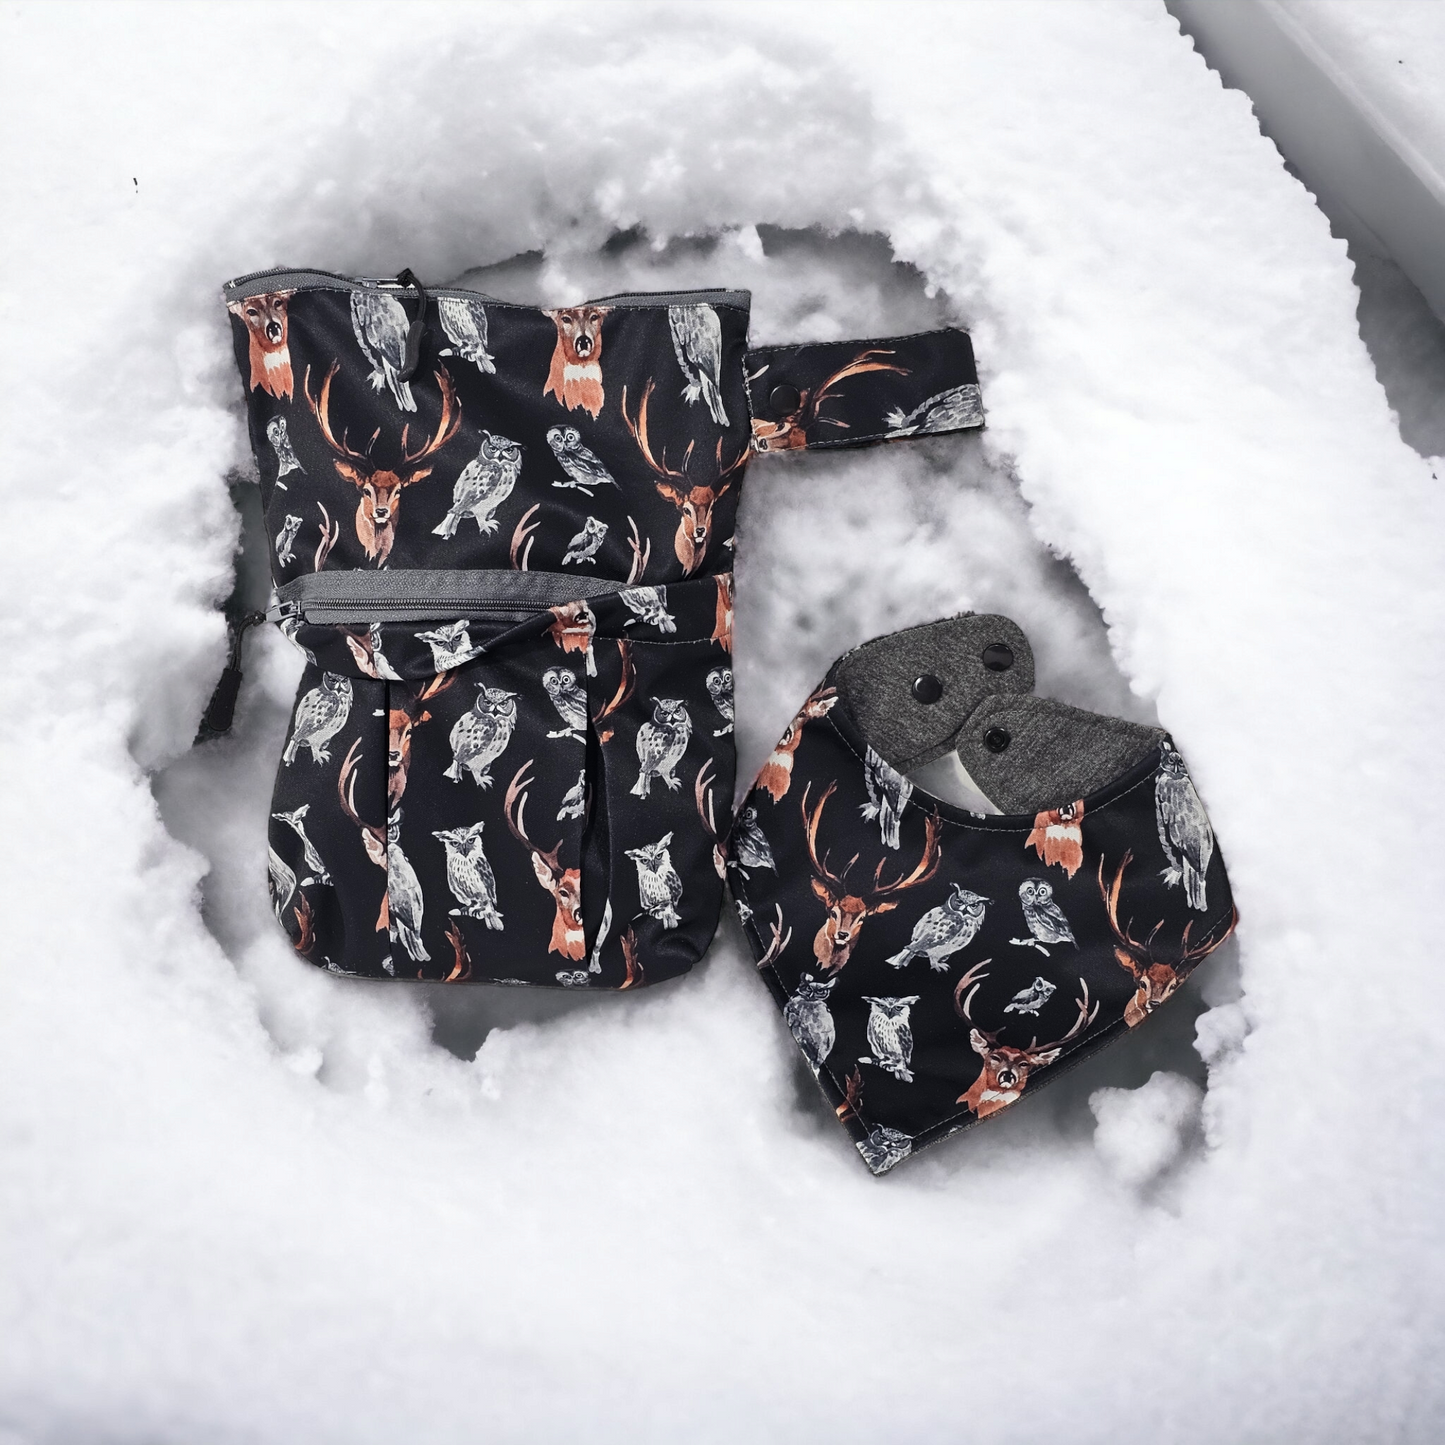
(220, 712)
(416, 331)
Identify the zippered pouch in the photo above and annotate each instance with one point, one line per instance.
(503, 536)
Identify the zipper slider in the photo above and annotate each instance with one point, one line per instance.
(220, 712)
(280, 611)
(416, 332)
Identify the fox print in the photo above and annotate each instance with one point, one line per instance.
(1058, 836)
(575, 377)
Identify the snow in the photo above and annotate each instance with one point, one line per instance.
(1393, 54)
(241, 1200)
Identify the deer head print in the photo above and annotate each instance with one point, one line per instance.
(848, 911)
(380, 487)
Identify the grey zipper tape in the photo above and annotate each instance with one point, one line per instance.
(284, 279)
(421, 595)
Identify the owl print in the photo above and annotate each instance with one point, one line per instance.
(658, 882)
(575, 376)
(594, 961)
(320, 715)
(574, 800)
(403, 894)
(720, 690)
(660, 746)
(951, 410)
(584, 470)
(806, 1014)
(884, 1147)
(1031, 999)
(484, 484)
(944, 930)
(379, 323)
(649, 605)
(1184, 830)
(450, 646)
(584, 546)
(469, 875)
(890, 1035)
(1043, 916)
(285, 538)
(570, 699)
(480, 736)
(697, 343)
(888, 795)
(296, 821)
(748, 845)
(379, 659)
(282, 882)
(465, 323)
(281, 445)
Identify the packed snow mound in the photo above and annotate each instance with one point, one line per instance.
(242, 1200)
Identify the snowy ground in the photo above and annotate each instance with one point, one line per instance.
(243, 1201)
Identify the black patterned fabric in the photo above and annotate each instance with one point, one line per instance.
(932, 962)
(510, 566)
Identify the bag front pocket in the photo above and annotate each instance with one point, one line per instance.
(663, 717)
(486, 805)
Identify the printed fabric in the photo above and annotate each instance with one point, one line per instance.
(933, 963)
(503, 537)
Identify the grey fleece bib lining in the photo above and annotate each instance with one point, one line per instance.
(1024, 753)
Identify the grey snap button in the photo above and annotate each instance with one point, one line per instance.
(784, 400)
(927, 689)
(996, 740)
(998, 657)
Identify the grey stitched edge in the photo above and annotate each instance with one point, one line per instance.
(1053, 754)
(876, 682)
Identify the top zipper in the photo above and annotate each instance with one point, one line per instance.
(286, 278)
(347, 598)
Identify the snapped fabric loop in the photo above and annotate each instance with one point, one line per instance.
(503, 537)
(932, 962)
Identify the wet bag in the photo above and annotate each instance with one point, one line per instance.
(935, 963)
(503, 538)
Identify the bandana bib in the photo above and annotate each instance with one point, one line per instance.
(935, 963)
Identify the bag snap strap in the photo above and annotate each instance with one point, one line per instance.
(849, 393)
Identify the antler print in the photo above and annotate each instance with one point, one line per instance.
(380, 488)
(522, 533)
(791, 432)
(626, 684)
(847, 912)
(564, 884)
(400, 723)
(694, 528)
(1155, 976)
